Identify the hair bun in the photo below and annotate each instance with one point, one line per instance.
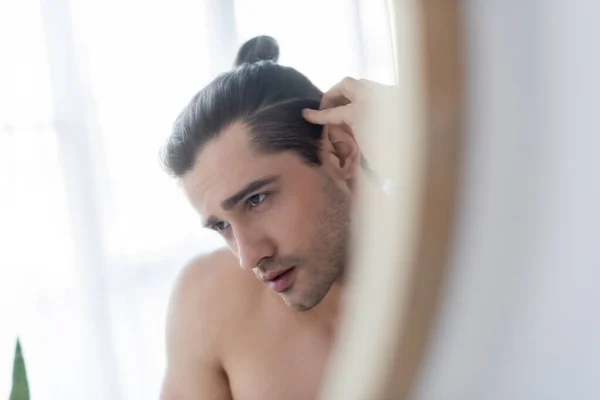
(260, 48)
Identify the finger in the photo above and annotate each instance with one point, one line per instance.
(342, 93)
(331, 116)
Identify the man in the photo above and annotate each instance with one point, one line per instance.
(279, 190)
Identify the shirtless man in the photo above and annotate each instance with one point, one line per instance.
(279, 190)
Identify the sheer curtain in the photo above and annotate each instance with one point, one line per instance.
(92, 231)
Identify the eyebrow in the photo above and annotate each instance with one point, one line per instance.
(233, 200)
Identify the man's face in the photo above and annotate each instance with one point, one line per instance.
(286, 221)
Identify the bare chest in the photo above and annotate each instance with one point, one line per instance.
(278, 360)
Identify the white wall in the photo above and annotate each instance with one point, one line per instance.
(521, 317)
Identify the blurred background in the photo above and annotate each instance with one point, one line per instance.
(92, 231)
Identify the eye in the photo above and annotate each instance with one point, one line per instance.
(255, 200)
(220, 226)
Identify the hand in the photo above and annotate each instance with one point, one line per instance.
(354, 102)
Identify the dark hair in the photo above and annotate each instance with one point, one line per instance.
(261, 48)
(265, 97)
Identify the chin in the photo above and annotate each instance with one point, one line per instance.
(297, 304)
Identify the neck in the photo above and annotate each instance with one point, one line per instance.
(329, 310)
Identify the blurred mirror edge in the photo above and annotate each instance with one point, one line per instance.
(397, 280)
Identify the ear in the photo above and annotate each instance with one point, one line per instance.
(341, 151)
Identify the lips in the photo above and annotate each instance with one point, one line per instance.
(279, 280)
(271, 275)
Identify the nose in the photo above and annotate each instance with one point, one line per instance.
(252, 246)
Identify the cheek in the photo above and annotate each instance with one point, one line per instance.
(294, 223)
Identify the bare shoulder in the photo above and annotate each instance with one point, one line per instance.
(204, 278)
(210, 293)
(211, 277)
(206, 302)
